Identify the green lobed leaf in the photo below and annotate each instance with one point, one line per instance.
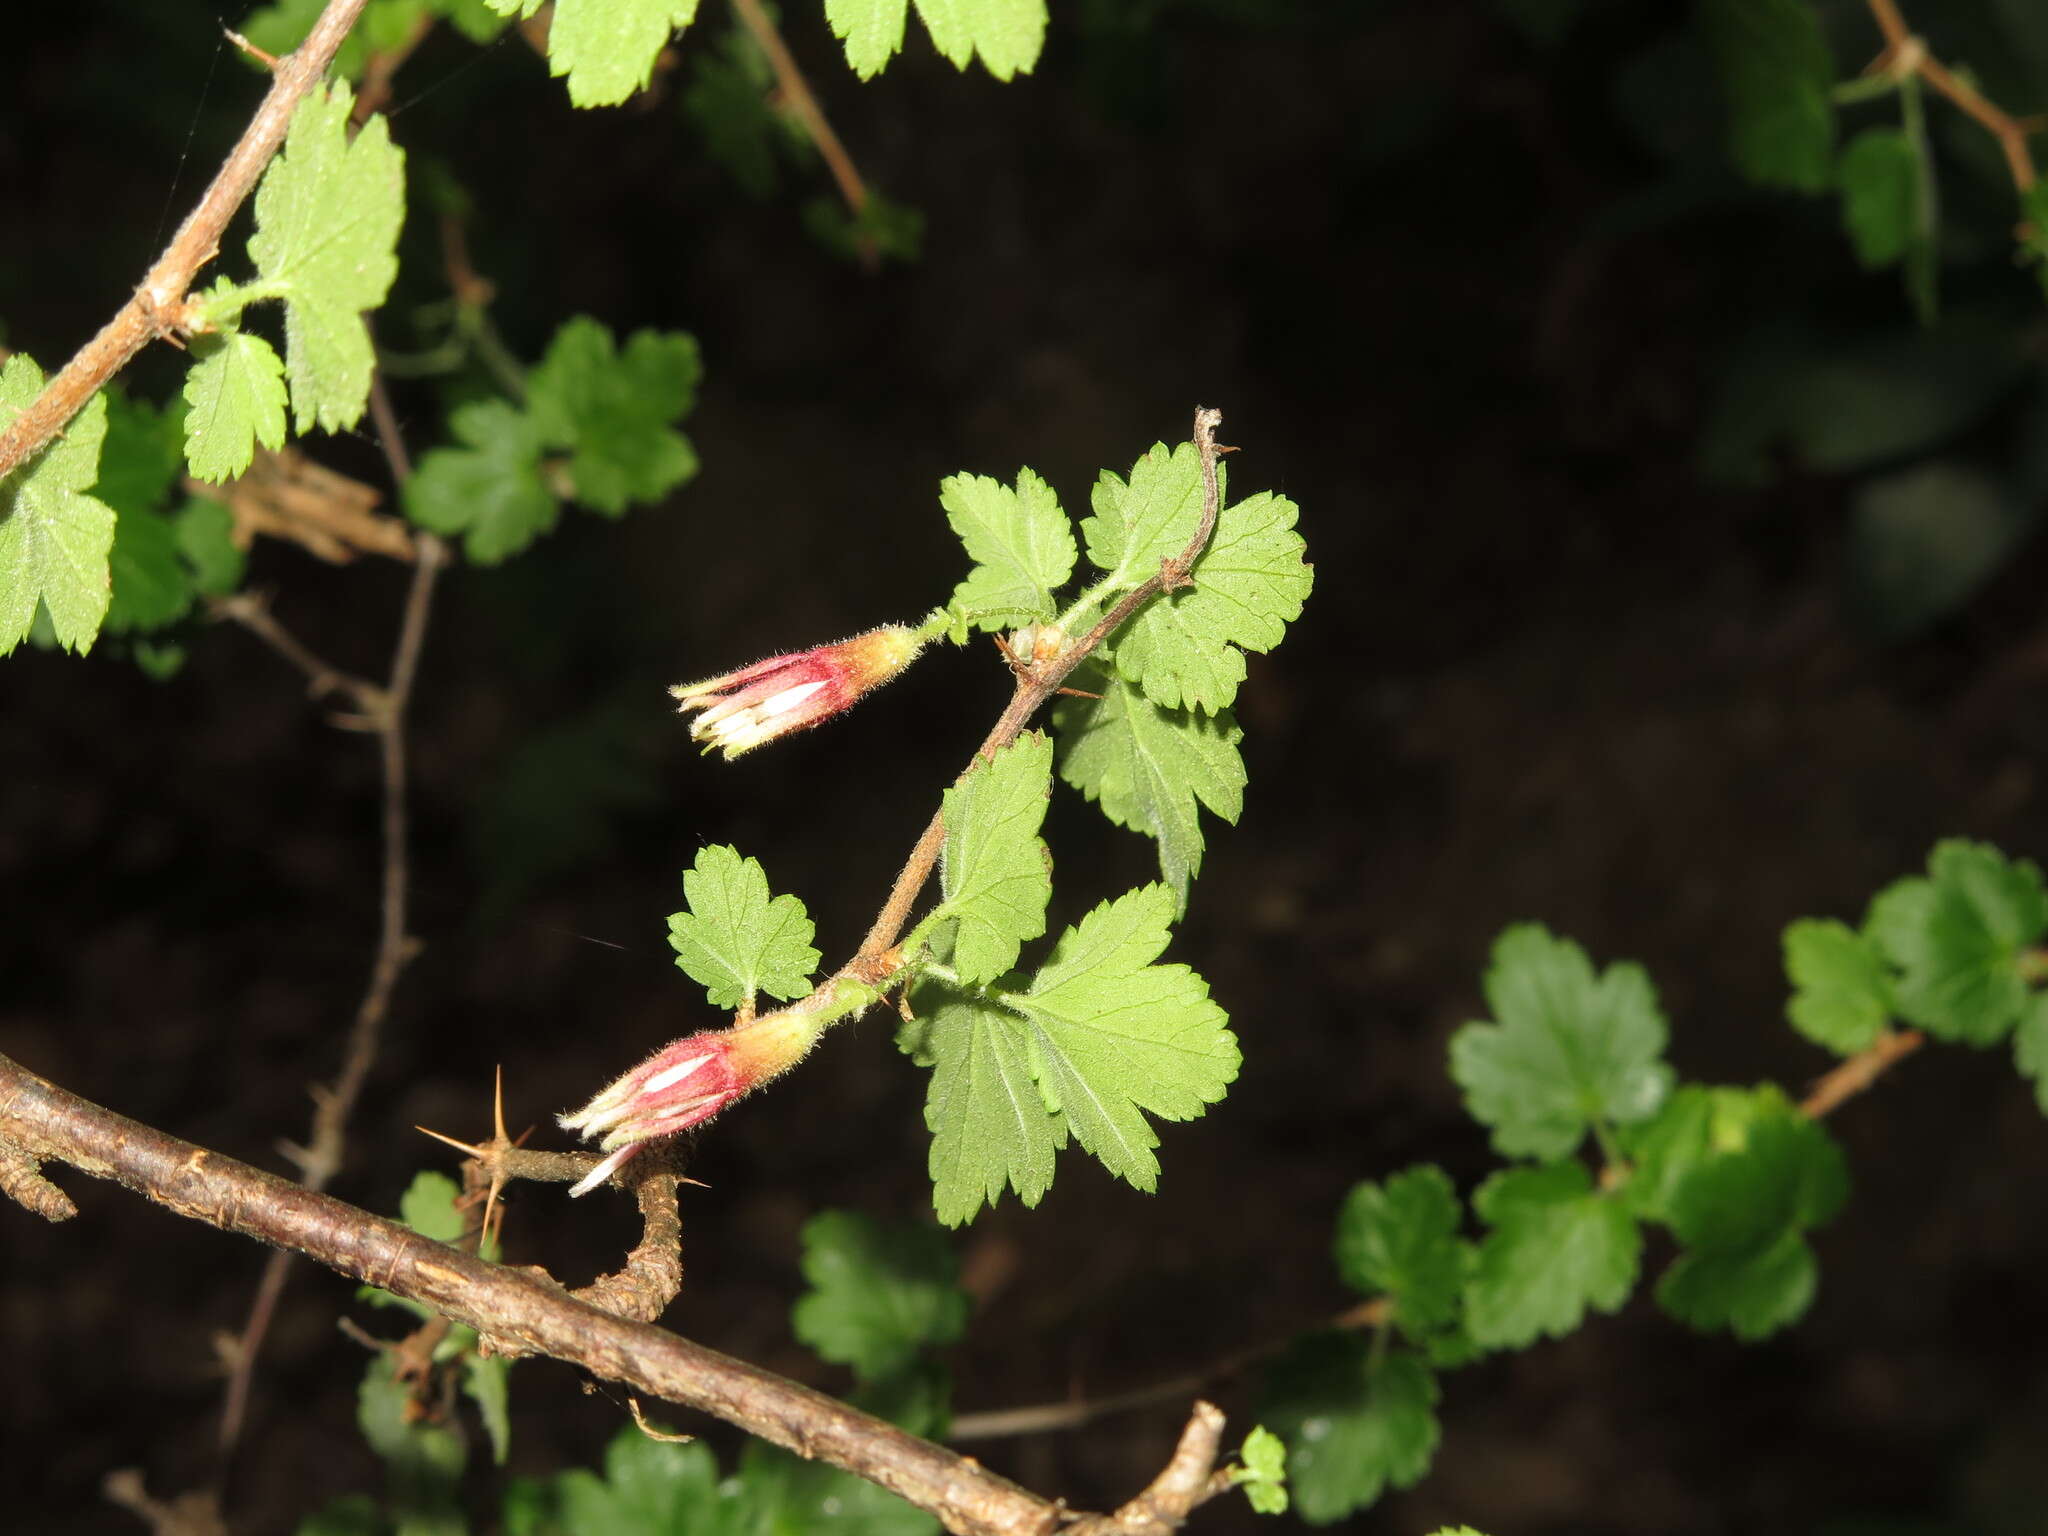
(1101, 1038)
(1262, 1471)
(1557, 1248)
(55, 539)
(1570, 1050)
(883, 229)
(735, 938)
(1739, 1205)
(141, 456)
(487, 1382)
(1880, 175)
(428, 1206)
(490, 492)
(327, 217)
(1842, 993)
(139, 463)
(1140, 521)
(877, 1295)
(995, 872)
(1959, 938)
(1007, 34)
(1187, 647)
(2030, 1047)
(1777, 75)
(746, 129)
(614, 410)
(1020, 541)
(649, 1488)
(1353, 1427)
(872, 31)
(606, 48)
(1401, 1240)
(235, 399)
(1149, 768)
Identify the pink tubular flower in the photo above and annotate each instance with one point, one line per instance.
(772, 698)
(687, 1082)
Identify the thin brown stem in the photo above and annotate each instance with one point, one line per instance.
(796, 91)
(516, 1313)
(1907, 54)
(158, 304)
(251, 610)
(1856, 1073)
(1040, 682)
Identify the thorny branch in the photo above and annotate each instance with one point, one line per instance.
(521, 1314)
(159, 298)
(1036, 683)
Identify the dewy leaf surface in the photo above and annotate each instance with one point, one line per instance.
(1149, 768)
(735, 938)
(1100, 1039)
(55, 539)
(994, 871)
(1557, 1248)
(327, 218)
(1021, 542)
(1568, 1050)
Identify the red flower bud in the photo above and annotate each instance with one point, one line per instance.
(687, 1082)
(772, 698)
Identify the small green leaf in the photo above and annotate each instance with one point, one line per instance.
(1262, 1471)
(1959, 937)
(2030, 1047)
(615, 410)
(1021, 543)
(872, 31)
(235, 399)
(1187, 647)
(1569, 1050)
(1149, 768)
(995, 871)
(1353, 1428)
(1768, 1175)
(1776, 73)
(141, 456)
(1100, 1039)
(1842, 995)
(490, 492)
(878, 1296)
(735, 938)
(607, 48)
(1139, 522)
(1401, 1240)
(54, 538)
(151, 585)
(206, 538)
(428, 1207)
(327, 218)
(1557, 1248)
(1880, 173)
(1007, 34)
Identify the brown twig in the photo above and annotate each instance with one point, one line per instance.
(796, 92)
(518, 1313)
(1187, 1480)
(1908, 54)
(320, 1159)
(251, 610)
(159, 298)
(1856, 1073)
(1040, 682)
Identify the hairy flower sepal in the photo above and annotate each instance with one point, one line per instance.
(688, 1081)
(745, 709)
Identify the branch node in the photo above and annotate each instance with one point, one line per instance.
(22, 1181)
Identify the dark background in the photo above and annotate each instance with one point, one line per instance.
(1416, 253)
